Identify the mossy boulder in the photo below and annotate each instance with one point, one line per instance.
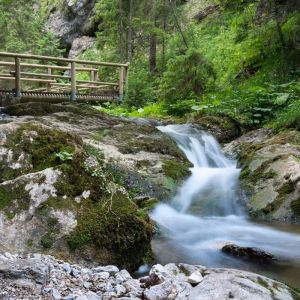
(62, 199)
(223, 127)
(70, 179)
(270, 173)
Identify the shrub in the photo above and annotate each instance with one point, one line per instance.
(187, 77)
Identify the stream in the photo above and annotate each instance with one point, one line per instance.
(205, 215)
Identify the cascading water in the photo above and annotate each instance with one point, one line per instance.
(205, 214)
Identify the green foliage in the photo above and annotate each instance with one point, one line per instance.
(141, 87)
(64, 155)
(23, 29)
(187, 77)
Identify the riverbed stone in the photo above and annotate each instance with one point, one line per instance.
(216, 283)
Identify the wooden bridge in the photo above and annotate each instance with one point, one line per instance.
(33, 78)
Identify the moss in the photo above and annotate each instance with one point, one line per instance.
(262, 282)
(147, 204)
(44, 108)
(224, 127)
(41, 144)
(176, 170)
(47, 241)
(29, 243)
(295, 206)
(14, 199)
(6, 197)
(114, 224)
(53, 228)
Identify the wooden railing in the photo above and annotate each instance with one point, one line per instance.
(60, 76)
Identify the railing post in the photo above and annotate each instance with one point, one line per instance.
(73, 81)
(49, 84)
(17, 77)
(121, 84)
(92, 76)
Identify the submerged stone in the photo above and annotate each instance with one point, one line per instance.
(249, 253)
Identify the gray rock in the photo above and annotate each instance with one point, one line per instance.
(69, 297)
(72, 22)
(159, 292)
(112, 270)
(87, 285)
(238, 285)
(122, 276)
(92, 296)
(81, 44)
(67, 268)
(270, 174)
(56, 294)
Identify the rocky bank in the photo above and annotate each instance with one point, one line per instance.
(270, 173)
(43, 277)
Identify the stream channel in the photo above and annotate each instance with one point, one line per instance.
(206, 215)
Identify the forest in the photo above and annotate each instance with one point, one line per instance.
(235, 57)
(185, 186)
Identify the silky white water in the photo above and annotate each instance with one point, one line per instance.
(205, 214)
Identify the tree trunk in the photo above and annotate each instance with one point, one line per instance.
(177, 24)
(153, 41)
(129, 41)
(163, 63)
(121, 31)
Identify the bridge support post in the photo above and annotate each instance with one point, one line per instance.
(73, 81)
(17, 77)
(49, 84)
(122, 79)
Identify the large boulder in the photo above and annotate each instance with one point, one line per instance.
(270, 173)
(78, 183)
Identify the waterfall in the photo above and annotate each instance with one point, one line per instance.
(205, 214)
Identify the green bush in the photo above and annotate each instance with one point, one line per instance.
(187, 77)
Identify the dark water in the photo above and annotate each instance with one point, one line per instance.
(284, 270)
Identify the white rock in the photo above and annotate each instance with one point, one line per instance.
(159, 292)
(120, 290)
(56, 294)
(112, 270)
(195, 278)
(92, 296)
(122, 276)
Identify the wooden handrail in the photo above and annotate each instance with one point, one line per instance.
(75, 84)
(36, 66)
(60, 59)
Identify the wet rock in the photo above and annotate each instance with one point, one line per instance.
(270, 173)
(249, 253)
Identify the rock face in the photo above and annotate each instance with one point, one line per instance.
(43, 277)
(81, 44)
(271, 173)
(71, 19)
(78, 184)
